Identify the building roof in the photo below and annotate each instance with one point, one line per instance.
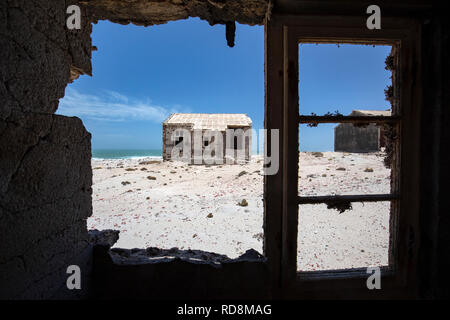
(385, 113)
(210, 121)
(361, 113)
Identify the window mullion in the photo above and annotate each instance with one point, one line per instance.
(348, 198)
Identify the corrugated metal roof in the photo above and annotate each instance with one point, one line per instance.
(385, 113)
(210, 121)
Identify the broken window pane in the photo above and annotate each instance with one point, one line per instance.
(146, 183)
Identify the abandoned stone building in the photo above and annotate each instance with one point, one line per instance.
(45, 159)
(369, 138)
(227, 135)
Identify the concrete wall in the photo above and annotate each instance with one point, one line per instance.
(167, 142)
(349, 138)
(45, 171)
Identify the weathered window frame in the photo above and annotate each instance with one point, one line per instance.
(282, 36)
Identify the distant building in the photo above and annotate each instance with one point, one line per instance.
(200, 130)
(350, 138)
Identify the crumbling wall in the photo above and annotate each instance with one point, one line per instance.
(251, 12)
(154, 273)
(45, 171)
(44, 204)
(168, 143)
(243, 134)
(45, 168)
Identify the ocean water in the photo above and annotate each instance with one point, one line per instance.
(124, 153)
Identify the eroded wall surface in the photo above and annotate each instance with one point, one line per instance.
(45, 171)
(252, 12)
(196, 136)
(45, 168)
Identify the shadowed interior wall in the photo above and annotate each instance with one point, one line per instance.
(45, 170)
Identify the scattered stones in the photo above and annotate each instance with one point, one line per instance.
(149, 162)
(229, 191)
(124, 183)
(240, 174)
(317, 154)
(151, 178)
(259, 236)
(243, 203)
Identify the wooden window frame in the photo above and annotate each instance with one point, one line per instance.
(282, 36)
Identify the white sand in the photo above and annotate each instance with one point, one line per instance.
(172, 211)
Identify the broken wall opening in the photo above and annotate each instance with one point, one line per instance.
(171, 204)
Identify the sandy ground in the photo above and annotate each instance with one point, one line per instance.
(172, 204)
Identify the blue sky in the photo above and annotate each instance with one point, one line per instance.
(141, 75)
(339, 78)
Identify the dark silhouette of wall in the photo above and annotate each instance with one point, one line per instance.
(350, 138)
